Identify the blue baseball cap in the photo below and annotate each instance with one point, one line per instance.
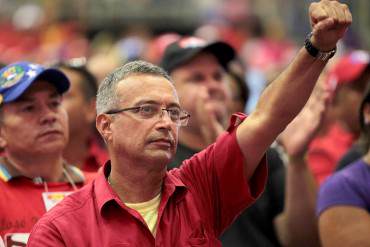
(17, 77)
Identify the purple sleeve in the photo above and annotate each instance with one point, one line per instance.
(348, 187)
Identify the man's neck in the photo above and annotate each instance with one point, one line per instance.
(49, 167)
(134, 183)
(76, 150)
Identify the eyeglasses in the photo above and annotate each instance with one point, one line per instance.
(177, 115)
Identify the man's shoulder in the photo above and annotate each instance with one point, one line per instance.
(354, 173)
(71, 206)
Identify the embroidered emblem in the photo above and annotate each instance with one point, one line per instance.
(11, 76)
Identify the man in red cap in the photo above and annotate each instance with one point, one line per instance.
(349, 76)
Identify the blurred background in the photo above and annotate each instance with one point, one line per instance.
(110, 32)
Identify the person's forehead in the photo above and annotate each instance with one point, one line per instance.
(203, 63)
(75, 80)
(73, 76)
(139, 86)
(204, 58)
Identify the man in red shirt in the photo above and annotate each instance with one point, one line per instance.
(135, 201)
(33, 134)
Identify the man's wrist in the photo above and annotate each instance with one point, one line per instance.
(315, 52)
(297, 159)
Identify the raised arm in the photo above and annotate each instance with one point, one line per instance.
(297, 224)
(286, 95)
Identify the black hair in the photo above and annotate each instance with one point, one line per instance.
(89, 83)
(242, 86)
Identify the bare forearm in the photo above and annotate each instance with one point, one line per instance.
(297, 225)
(285, 97)
(278, 105)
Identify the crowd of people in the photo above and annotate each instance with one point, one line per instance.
(154, 147)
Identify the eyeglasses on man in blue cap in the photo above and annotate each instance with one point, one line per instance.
(17, 77)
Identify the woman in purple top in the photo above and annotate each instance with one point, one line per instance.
(344, 200)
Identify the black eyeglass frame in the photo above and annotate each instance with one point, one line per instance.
(182, 121)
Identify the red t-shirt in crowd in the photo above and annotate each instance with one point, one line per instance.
(97, 156)
(325, 151)
(23, 201)
(199, 201)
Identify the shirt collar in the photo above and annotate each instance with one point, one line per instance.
(104, 192)
(76, 174)
(4, 173)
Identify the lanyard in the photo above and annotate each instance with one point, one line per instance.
(51, 199)
(39, 180)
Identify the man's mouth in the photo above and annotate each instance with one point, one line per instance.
(50, 132)
(163, 142)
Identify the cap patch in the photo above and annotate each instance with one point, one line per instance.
(11, 76)
(192, 42)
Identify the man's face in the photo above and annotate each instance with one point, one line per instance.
(152, 140)
(349, 107)
(81, 112)
(348, 100)
(235, 103)
(202, 74)
(35, 123)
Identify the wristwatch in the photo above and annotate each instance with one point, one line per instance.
(316, 53)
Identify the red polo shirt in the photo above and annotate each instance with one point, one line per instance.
(199, 200)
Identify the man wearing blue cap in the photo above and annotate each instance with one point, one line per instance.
(33, 134)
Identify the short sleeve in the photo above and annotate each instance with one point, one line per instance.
(216, 175)
(348, 187)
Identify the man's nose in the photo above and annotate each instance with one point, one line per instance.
(47, 115)
(165, 115)
(165, 119)
(215, 89)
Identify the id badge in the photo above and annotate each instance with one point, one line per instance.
(16, 239)
(53, 198)
(1, 242)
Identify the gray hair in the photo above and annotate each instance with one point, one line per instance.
(107, 97)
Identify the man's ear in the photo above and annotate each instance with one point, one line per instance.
(103, 125)
(90, 111)
(2, 139)
(366, 113)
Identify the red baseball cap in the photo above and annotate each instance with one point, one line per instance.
(349, 68)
